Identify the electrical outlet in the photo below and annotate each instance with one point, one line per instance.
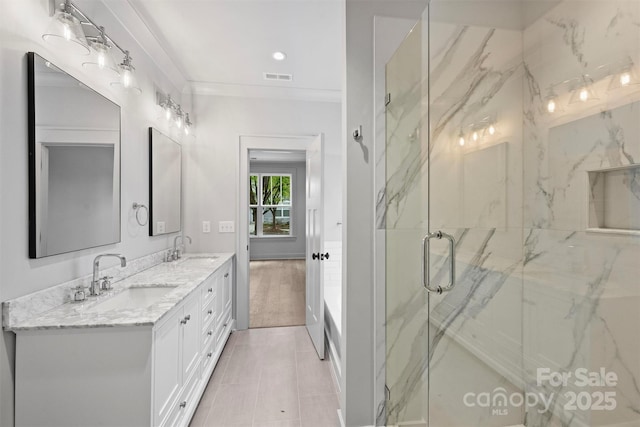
(160, 227)
(226, 227)
(206, 226)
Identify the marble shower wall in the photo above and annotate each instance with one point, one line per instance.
(581, 293)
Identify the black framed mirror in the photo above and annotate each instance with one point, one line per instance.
(165, 184)
(74, 163)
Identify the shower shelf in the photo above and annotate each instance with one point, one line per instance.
(613, 204)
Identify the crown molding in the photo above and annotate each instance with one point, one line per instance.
(260, 91)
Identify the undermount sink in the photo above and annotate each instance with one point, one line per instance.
(132, 298)
(197, 260)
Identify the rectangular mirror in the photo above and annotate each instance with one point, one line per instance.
(165, 184)
(74, 163)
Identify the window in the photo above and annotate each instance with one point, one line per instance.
(270, 204)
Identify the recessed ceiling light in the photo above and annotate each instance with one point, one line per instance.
(279, 56)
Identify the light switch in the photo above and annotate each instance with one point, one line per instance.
(206, 226)
(226, 227)
(160, 227)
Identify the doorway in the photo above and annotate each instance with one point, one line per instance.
(277, 238)
(265, 220)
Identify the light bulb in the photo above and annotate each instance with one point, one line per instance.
(126, 79)
(101, 60)
(551, 106)
(584, 94)
(475, 136)
(66, 32)
(461, 141)
(186, 130)
(167, 113)
(492, 130)
(179, 122)
(625, 79)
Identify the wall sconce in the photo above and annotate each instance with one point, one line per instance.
(67, 30)
(173, 111)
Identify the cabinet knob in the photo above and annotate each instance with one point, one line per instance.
(225, 325)
(226, 275)
(209, 354)
(183, 404)
(210, 312)
(210, 290)
(210, 333)
(187, 317)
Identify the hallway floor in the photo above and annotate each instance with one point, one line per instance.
(277, 293)
(269, 377)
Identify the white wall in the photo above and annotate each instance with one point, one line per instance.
(292, 247)
(211, 176)
(358, 306)
(21, 25)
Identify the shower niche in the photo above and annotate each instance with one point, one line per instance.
(614, 200)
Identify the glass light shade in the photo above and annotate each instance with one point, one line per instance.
(128, 81)
(461, 140)
(102, 60)
(627, 77)
(65, 32)
(584, 92)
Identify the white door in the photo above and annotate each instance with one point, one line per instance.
(314, 284)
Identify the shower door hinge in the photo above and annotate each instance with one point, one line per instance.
(387, 393)
(387, 99)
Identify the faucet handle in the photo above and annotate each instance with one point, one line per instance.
(79, 293)
(106, 283)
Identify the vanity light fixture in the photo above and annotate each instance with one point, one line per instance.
(279, 56)
(70, 25)
(174, 113)
(65, 30)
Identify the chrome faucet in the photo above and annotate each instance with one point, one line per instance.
(176, 249)
(98, 284)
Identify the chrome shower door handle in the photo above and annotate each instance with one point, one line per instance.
(425, 262)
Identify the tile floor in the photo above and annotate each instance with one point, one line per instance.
(269, 377)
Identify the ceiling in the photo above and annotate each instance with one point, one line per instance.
(225, 46)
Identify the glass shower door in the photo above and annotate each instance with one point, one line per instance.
(512, 216)
(474, 246)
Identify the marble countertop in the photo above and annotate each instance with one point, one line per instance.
(182, 276)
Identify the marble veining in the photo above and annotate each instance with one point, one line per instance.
(25, 313)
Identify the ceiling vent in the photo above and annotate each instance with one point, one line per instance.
(278, 77)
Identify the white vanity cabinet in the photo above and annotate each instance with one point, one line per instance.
(146, 375)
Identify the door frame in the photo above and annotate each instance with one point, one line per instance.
(254, 142)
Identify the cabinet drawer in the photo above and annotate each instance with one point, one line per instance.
(208, 313)
(208, 290)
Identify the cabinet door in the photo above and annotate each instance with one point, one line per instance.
(190, 337)
(167, 368)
